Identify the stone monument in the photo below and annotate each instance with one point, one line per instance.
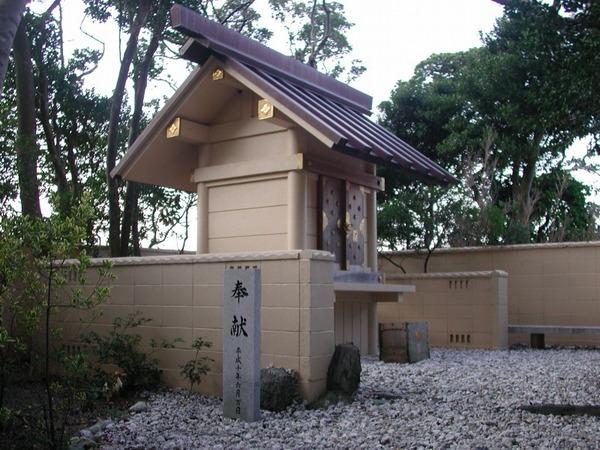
(241, 343)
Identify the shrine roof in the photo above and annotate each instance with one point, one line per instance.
(337, 110)
(333, 112)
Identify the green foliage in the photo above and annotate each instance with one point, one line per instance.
(196, 368)
(33, 275)
(501, 118)
(121, 347)
(6, 415)
(162, 210)
(36, 282)
(317, 35)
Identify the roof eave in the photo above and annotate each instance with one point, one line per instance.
(136, 150)
(251, 52)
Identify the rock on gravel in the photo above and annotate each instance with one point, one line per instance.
(278, 388)
(344, 370)
(139, 407)
(457, 399)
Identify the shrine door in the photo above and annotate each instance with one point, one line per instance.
(343, 221)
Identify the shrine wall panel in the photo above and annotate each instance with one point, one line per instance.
(183, 298)
(249, 216)
(548, 284)
(249, 148)
(463, 310)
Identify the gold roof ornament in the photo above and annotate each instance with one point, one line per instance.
(265, 109)
(174, 128)
(218, 74)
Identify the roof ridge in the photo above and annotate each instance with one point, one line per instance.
(216, 38)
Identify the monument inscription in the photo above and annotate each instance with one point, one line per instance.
(241, 343)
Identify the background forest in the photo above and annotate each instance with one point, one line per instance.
(501, 117)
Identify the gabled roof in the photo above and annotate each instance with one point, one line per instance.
(332, 112)
(213, 38)
(337, 110)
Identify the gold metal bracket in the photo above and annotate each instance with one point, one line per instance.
(174, 128)
(265, 109)
(218, 74)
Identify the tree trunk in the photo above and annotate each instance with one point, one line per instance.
(10, 16)
(60, 172)
(130, 212)
(129, 216)
(26, 145)
(522, 184)
(114, 211)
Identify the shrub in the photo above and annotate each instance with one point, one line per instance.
(33, 287)
(196, 368)
(121, 348)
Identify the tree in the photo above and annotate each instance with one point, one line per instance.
(134, 18)
(27, 148)
(537, 91)
(33, 287)
(502, 116)
(10, 17)
(71, 117)
(9, 191)
(317, 35)
(431, 112)
(134, 15)
(26, 145)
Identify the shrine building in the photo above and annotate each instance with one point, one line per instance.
(283, 159)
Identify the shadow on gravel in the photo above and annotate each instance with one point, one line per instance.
(563, 410)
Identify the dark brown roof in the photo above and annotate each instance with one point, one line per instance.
(333, 108)
(215, 38)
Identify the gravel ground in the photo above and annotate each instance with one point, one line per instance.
(457, 399)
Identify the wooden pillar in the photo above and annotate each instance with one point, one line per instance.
(372, 230)
(296, 215)
(202, 208)
(202, 219)
(373, 330)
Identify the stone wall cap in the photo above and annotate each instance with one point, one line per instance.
(373, 287)
(446, 275)
(210, 258)
(494, 248)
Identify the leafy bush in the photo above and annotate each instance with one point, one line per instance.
(121, 348)
(196, 368)
(34, 285)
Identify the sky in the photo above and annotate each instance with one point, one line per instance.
(390, 36)
(393, 36)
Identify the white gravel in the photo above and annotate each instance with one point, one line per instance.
(457, 399)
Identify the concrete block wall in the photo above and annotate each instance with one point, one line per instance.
(463, 310)
(549, 284)
(183, 297)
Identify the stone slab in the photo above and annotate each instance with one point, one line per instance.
(417, 336)
(241, 343)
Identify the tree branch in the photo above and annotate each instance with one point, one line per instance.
(391, 261)
(241, 7)
(312, 60)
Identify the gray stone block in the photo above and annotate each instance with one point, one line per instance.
(417, 336)
(241, 343)
(278, 388)
(344, 369)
